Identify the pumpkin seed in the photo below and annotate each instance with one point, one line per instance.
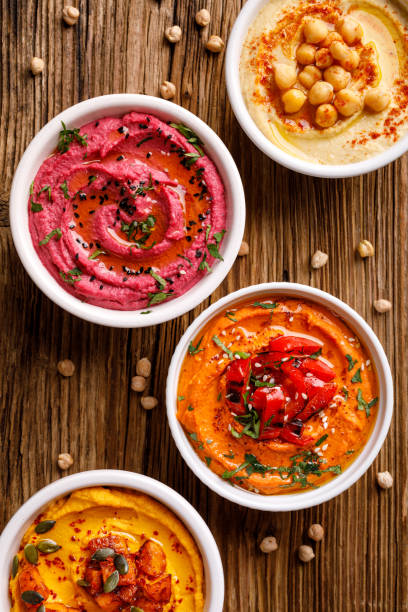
(48, 546)
(102, 554)
(44, 526)
(111, 583)
(121, 564)
(14, 567)
(32, 597)
(31, 554)
(83, 583)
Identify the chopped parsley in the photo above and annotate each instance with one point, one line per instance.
(362, 404)
(64, 189)
(36, 206)
(72, 276)
(55, 232)
(181, 398)
(316, 355)
(193, 436)
(187, 259)
(143, 188)
(260, 383)
(96, 254)
(320, 440)
(208, 460)
(193, 350)
(190, 408)
(230, 316)
(222, 346)
(46, 188)
(351, 362)
(214, 252)
(265, 305)
(204, 264)
(66, 138)
(157, 298)
(161, 283)
(357, 376)
(346, 393)
(251, 423)
(190, 136)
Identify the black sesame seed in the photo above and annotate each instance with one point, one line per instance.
(63, 210)
(96, 124)
(91, 280)
(77, 239)
(93, 197)
(124, 279)
(91, 212)
(76, 215)
(111, 268)
(76, 255)
(104, 188)
(117, 183)
(120, 157)
(81, 224)
(188, 238)
(169, 280)
(122, 191)
(198, 254)
(101, 287)
(98, 246)
(121, 129)
(75, 206)
(200, 230)
(192, 222)
(201, 217)
(148, 155)
(90, 245)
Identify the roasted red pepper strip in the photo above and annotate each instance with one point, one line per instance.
(294, 344)
(289, 436)
(271, 433)
(318, 402)
(318, 368)
(238, 374)
(269, 404)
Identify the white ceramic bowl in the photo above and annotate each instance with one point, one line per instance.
(117, 105)
(232, 61)
(335, 486)
(15, 529)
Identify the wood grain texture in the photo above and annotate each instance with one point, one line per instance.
(118, 46)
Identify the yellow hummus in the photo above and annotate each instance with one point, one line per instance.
(274, 39)
(97, 512)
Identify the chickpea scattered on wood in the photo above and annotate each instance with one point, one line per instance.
(347, 102)
(309, 76)
(351, 30)
(285, 75)
(65, 461)
(321, 93)
(293, 100)
(203, 18)
(382, 305)
(37, 65)
(337, 76)
(365, 249)
(326, 115)
(243, 249)
(143, 367)
(316, 532)
(70, 15)
(66, 367)
(173, 33)
(330, 38)
(385, 480)
(138, 384)
(315, 30)
(215, 44)
(167, 90)
(323, 58)
(268, 545)
(377, 99)
(305, 553)
(319, 259)
(148, 402)
(305, 54)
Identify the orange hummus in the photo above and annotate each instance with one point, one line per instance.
(277, 395)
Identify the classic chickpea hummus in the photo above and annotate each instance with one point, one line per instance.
(128, 212)
(107, 549)
(327, 80)
(277, 395)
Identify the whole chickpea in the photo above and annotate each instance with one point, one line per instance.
(293, 100)
(285, 75)
(352, 61)
(347, 102)
(337, 76)
(330, 38)
(305, 54)
(321, 93)
(326, 115)
(340, 51)
(309, 76)
(351, 30)
(323, 58)
(377, 99)
(315, 30)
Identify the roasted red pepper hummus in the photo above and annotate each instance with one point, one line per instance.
(327, 80)
(277, 395)
(107, 549)
(128, 212)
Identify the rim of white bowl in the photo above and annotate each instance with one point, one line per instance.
(15, 528)
(298, 501)
(232, 62)
(44, 143)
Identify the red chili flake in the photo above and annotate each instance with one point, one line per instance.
(156, 533)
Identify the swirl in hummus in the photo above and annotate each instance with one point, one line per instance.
(128, 212)
(327, 80)
(107, 549)
(277, 395)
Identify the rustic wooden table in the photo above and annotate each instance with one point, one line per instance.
(118, 46)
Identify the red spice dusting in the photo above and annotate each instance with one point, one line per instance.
(71, 557)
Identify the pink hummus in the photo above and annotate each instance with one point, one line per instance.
(128, 212)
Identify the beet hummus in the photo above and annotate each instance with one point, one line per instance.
(128, 212)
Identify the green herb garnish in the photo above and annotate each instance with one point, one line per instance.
(72, 276)
(362, 404)
(64, 189)
(36, 206)
(187, 259)
(223, 347)
(320, 440)
(190, 136)
(66, 137)
(157, 298)
(204, 264)
(161, 283)
(55, 232)
(357, 376)
(96, 254)
(351, 362)
(230, 316)
(193, 350)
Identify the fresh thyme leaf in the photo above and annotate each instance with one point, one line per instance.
(64, 189)
(96, 254)
(36, 206)
(320, 440)
(55, 232)
(351, 362)
(223, 347)
(159, 280)
(193, 350)
(230, 316)
(357, 376)
(213, 250)
(157, 298)
(66, 137)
